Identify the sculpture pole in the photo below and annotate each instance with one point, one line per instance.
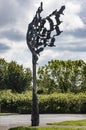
(35, 108)
(38, 37)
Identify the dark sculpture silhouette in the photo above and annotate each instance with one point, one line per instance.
(38, 37)
(52, 42)
(51, 23)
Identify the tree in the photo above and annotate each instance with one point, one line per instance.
(3, 72)
(83, 84)
(18, 79)
(14, 76)
(46, 81)
(62, 76)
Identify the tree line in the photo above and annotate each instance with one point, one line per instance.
(57, 76)
(62, 76)
(13, 76)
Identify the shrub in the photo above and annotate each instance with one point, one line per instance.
(51, 103)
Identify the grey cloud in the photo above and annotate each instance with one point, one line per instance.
(79, 33)
(83, 11)
(12, 35)
(72, 47)
(3, 47)
(11, 12)
(7, 13)
(25, 3)
(83, 16)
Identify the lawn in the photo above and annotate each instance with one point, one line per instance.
(65, 123)
(4, 114)
(70, 123)
(30, 128)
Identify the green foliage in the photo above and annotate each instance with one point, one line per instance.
(44, 128)
(45, 82)
(18, 80)
(58, 76)
(3, 71)
(83, 85)
(14, 76)
(16, 103)
(62, 76)
(48, 103)
(63, 103)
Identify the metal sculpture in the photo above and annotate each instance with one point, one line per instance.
(38, 37)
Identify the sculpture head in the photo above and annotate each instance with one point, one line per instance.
(39, 36)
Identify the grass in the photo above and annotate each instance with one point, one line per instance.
(65, 123)
(4, 114)
(35, 128)
(70, 123)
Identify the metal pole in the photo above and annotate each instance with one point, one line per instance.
(35, 108)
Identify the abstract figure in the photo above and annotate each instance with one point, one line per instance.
(52, 42)
(58, 32)
(51, 23)
(38, 37)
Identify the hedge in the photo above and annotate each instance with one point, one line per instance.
(52, 103)
(63, 103)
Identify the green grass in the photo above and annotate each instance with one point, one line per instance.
(70, 123)
(4, 114)
(66, 123)
(30, 128)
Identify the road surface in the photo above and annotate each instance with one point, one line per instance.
(18, 120)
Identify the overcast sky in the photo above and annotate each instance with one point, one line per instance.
(15, 15)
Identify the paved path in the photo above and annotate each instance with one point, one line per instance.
(18, 120)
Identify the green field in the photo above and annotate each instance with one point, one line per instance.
(65, 123)
(70, 123)
(52, 128)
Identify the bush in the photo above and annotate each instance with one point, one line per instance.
(52, 103)
(16, 103)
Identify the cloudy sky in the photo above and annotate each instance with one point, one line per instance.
(15, 15)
